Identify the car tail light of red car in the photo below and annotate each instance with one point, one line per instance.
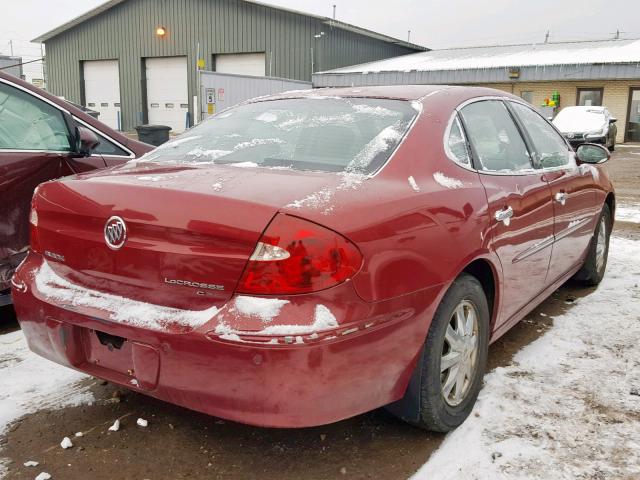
(296, 256)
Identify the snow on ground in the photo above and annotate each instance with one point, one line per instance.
(628, 213)
(568, 406)
(31, 383)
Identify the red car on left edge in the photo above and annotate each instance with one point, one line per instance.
(43, 138)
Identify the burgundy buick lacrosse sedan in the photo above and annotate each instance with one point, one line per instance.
(303, 258)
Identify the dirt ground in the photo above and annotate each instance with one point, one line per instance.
(180, 444)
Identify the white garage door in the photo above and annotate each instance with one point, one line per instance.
(167, 92)
(241, 63)
(102, 90)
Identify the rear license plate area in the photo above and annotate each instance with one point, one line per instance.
(110, 352)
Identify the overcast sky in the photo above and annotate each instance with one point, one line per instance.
(433, 23)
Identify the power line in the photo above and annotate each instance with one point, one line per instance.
(20, 64)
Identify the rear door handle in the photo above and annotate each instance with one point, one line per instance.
(561, 198)
(504, 215)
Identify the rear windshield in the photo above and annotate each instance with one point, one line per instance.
(327, 134)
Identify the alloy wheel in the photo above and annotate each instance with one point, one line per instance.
(601, 245)
(459, 354)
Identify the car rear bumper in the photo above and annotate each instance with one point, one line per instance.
(319, 381)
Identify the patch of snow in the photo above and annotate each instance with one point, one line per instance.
(267, 117)
(79, 434)
(628, 213)
(414, 185)
(134, 382)
(116, 308)
(211, 155)
(31, 463)
(150, 178)
(66, 443)
(564, 408)
(217, 186)
(536, 54)
(417, 106)
(245, 165)
(31, 383)
(264, 308)
(115, 427)
(43, 476)
(376, 111)
(323, 320)
(380, 143)
(141, 422)
(447, 182)
(322, 198)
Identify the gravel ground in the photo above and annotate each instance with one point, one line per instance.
(182, 444)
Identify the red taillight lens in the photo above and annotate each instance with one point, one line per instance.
(296, 256)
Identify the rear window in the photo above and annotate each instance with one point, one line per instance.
(325, 133)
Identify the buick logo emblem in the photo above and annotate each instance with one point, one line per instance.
(115, 233)
(571, 135)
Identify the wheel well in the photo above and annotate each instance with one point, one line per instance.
(611, 203)
(482, 270)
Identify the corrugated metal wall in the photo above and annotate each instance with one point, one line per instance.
(127, 32)
(228, 90)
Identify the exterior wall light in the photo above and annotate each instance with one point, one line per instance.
(161, 31)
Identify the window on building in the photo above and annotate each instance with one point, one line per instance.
(527, 96)
(590, 97)
(495, 139)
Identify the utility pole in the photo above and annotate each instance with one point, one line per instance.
(334, 12)
(409, 36)
(546, 37)
(11, 46)
(618, 34)
(44, 66)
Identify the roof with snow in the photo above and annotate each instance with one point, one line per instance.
(500, 63)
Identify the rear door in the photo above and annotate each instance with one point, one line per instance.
(572, 190)
(519, 201)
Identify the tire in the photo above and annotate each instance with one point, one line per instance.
(595, 265)
(438, 411)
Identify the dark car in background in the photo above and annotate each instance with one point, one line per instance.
(587, 125)
(42, 138)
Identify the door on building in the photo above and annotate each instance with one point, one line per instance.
(633, 124)
(102, 90)
(167, 92)
(253, 64)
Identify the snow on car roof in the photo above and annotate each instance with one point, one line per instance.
(537, 54)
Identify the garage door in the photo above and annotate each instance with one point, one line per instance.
(167, 92)
(102, 90)
(241, 64)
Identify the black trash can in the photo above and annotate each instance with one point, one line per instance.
(153, 134)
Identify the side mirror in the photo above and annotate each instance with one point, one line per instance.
(613, 120)
(86, 141)
(592, 153)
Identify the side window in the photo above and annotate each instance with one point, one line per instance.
(551, 149)
(107, 147)
(28, 123)
(496, 141)
(457, 144)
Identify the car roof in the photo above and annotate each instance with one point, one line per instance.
(393, 92)
(586, 108)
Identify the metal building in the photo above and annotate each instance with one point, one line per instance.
(11, 65)
(604, 72)
(135, 61)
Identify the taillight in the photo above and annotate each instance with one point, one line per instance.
(296, 256)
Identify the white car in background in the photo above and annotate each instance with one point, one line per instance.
(587, 125)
